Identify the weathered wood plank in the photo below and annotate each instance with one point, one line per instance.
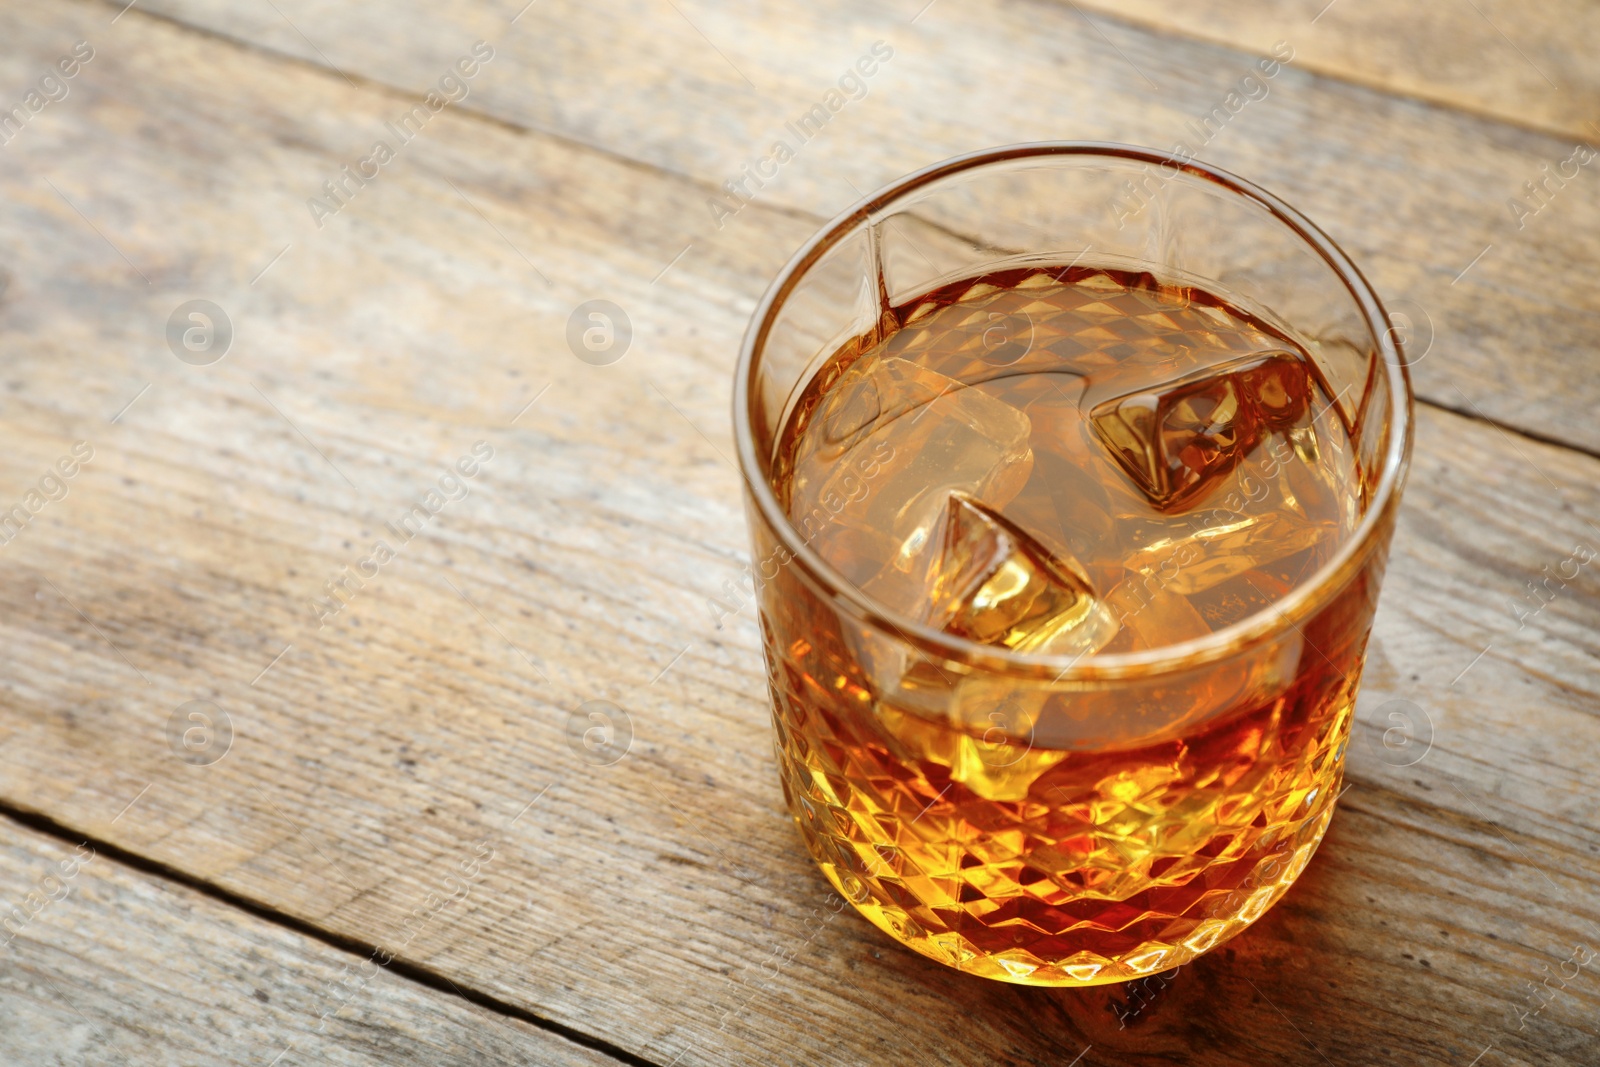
(644, 901)
(1513, 62)
(1419, 195)
(103, 964)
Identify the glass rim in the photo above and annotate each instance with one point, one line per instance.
(1299, 603)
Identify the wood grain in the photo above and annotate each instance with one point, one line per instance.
(1513, 62)
(103, 964)
(647, 902)
(1417, 194)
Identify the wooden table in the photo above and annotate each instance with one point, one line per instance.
(385, 841)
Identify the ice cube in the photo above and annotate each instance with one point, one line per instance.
(1193, 560)
(989, 581)
(898, 439)
(1277, 505)
(1240, 597)
(1177, 439)
(1150, 614)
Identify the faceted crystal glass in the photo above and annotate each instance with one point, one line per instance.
(986, 754)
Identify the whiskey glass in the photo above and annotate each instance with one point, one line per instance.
(1048, 818)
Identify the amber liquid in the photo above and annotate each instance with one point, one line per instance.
(1070, 462)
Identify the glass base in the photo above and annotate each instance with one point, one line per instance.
(1083, 881)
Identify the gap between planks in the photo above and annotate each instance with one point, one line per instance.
(416, 973)
(371, 84)
(1348, 76)
(818, 221)
(440, 983)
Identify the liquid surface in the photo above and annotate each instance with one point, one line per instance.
(1181, 466)
(1073, 462)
